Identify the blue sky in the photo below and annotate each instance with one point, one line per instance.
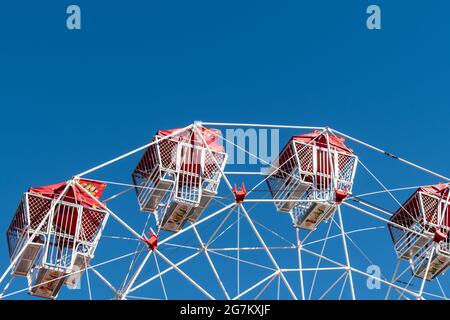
(72, 99)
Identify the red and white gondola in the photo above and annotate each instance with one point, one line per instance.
(312, 175)
(65, 244)
(425, 217)
(178, 176)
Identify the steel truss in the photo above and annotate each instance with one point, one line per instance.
(231, 240)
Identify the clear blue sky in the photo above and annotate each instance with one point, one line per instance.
(72, 99)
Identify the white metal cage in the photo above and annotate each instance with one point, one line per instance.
(308, 179)
(65, 243)
(423, 216)
(177, 177)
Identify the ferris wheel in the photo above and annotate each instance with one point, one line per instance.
(173, 219)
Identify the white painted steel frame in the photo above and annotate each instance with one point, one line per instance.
(279, 272)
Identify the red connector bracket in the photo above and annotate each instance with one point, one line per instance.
(240, 194)
(152, 242)
(341, 195)
(440, 236)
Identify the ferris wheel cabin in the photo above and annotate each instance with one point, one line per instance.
(179, 174)
(426, 216)
(63, 247)
(312, 175)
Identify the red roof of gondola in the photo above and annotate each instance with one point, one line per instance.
(439, 190)
(74, 194)
(209, 135)
(318, 138)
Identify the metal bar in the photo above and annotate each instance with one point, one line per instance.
(116, 217)
(256, 173)
(242, 260)
(393, 279)
(383, 281)
(264, 288)
(320, 260)
(256, 285)
(160, 277)
(391, 155)
(382, 219)
(73, 273)
(122, 294)
(315, 269)
(333, 285)
(216, 274)
(347, 259)
(7, 286)
(422, 285)
(39, 227)
(252, 248)
(163, 272)
(195, 284)
(287, 200)
(276, 126)
(101, 277)
(131, 152)
(360, 272)
(252, 225)
(215, 160)
(197, 223)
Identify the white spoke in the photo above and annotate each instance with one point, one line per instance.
(347, 258)
(345, 274)
(74, 273)
(319, 261)
(253, 287)
(243, 256)
(195, 284)
(160, 277)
